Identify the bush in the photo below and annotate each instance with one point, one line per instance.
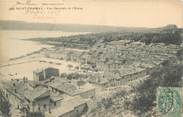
(168, 75)
(4, 105)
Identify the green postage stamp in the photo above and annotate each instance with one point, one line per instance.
(169, 102)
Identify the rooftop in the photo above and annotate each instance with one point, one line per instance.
(36, 93)
(23, 89)
(69, 87)
(63, 85)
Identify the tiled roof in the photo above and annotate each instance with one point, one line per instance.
(56, 97)
(65, 87)
(21, 89)
(35, 94)
(69, 87)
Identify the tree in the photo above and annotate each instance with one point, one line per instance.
(168, 75)
(4, 105)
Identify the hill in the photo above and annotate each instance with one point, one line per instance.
(167, 35)
(20, 25)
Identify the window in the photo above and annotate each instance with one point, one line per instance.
(39, 108)
(44, 106)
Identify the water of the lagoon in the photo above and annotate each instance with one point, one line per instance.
(12, 46)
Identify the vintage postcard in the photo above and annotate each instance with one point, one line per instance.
(91, 58)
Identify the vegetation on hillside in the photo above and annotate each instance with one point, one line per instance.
(167, 75)
(4, 106)
(167, 35)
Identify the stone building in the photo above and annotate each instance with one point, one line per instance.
(71, 88)
(46, 73)
(73, 107)
(25, 96)
(56, 96)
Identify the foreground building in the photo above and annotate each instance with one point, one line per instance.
(73, 107)
(26, 96)
(55, 97)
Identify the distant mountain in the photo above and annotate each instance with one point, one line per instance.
(21, 25)
(169, 34)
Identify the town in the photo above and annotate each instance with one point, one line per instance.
(109, 76)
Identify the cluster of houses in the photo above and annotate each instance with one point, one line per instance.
(49, 95)
(75, 55)
(116, 78)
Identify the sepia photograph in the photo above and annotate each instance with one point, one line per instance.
(91, 58)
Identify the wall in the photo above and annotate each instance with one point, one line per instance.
(88, 94)
(127, 78)
(51, 72)
(38, 76)
(45, 74)
(40, 104)
(14, 100)
(77, 112)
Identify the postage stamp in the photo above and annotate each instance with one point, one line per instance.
(169, 102)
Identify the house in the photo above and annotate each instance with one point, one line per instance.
(25, 96)
(72, 107)
(71, 88)
(38, 99)
(58, 97)
(10, 91)
(44, 74)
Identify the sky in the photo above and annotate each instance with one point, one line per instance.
(128, 13)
